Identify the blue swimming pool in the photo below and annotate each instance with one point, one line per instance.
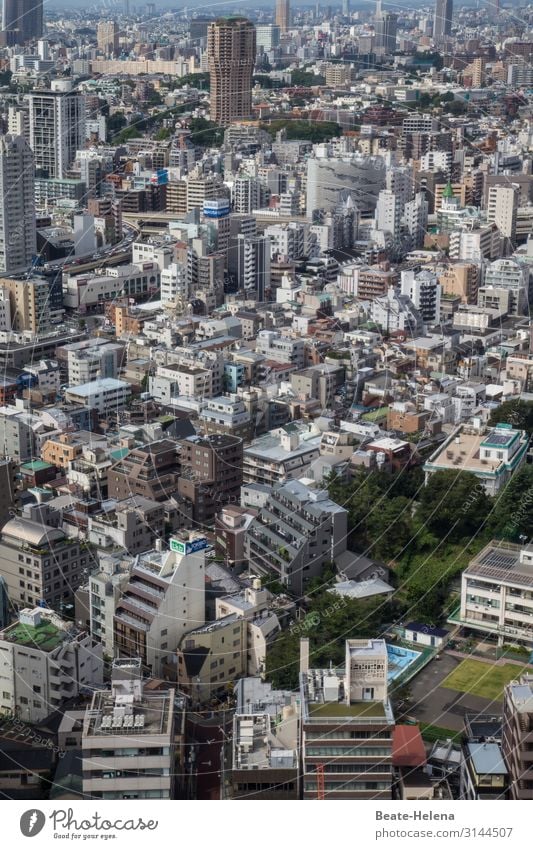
(399, 660)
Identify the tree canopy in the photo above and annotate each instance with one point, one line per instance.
(314, 131)
(517, 413)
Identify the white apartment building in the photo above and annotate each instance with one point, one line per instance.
(174, 286)
(175, 380)
(502, 207)
(44, 660)
(107, 395)
(510, 275)
(491, 456)
(281, 349)
(389, 211)
(262, 625)
(475, 243)
(497, 593)
(292, 240)
(280, 455)
(57, 128)
(424, 290)
(88, 362)
(225, 414)
(105, 588)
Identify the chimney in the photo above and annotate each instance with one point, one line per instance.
(304, 654)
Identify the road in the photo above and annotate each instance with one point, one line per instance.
(115, 255)
(208, 738)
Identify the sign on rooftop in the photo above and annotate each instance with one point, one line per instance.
(191, 547)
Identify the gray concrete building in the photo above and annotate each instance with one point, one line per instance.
(297, 531)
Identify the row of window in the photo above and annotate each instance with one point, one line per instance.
(130, 752)
(344, 786)
(346, 735)
(351, 768)
(355, 752)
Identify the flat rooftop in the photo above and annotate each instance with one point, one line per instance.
(148, 716)
(104, 384)
(500, 561)
(270, 448)
(357, 709)
(45, 637)
(462, 451)
(487, 758)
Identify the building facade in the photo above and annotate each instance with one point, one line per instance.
(231, 49)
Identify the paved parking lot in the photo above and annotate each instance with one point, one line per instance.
(438, 705)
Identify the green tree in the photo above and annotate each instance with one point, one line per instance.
(115, 123)
(328, 622)
(517, 413)
(314, 131)
(200, 81)
(513, 517)
(306, 78)
(205, 133)
(128, 133)
(453, 505)
(390, 528)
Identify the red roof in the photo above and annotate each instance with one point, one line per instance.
(408, 747)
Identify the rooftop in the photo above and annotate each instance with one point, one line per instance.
(32, 533)
(104, 384)
(487, 758)
(502, 561)
(462, 451)
(338, 709)
(149, 715)
(46, 636)
(408, 747)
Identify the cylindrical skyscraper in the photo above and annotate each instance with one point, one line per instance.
(231, 48)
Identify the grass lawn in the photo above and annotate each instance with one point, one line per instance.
(482, 679)
(432, 733)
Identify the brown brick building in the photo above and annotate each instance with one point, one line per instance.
(151, 471)
(211, 473)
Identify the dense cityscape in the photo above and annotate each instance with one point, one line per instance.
(266, 481)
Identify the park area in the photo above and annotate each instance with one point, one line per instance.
(482, 679)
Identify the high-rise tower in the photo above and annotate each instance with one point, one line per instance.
(283, 15)
(17, 207)
(22, 20)
(442, 24)
(231, 48)
(107, 37)
(57, 128)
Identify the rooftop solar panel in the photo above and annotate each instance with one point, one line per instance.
(498, 437)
